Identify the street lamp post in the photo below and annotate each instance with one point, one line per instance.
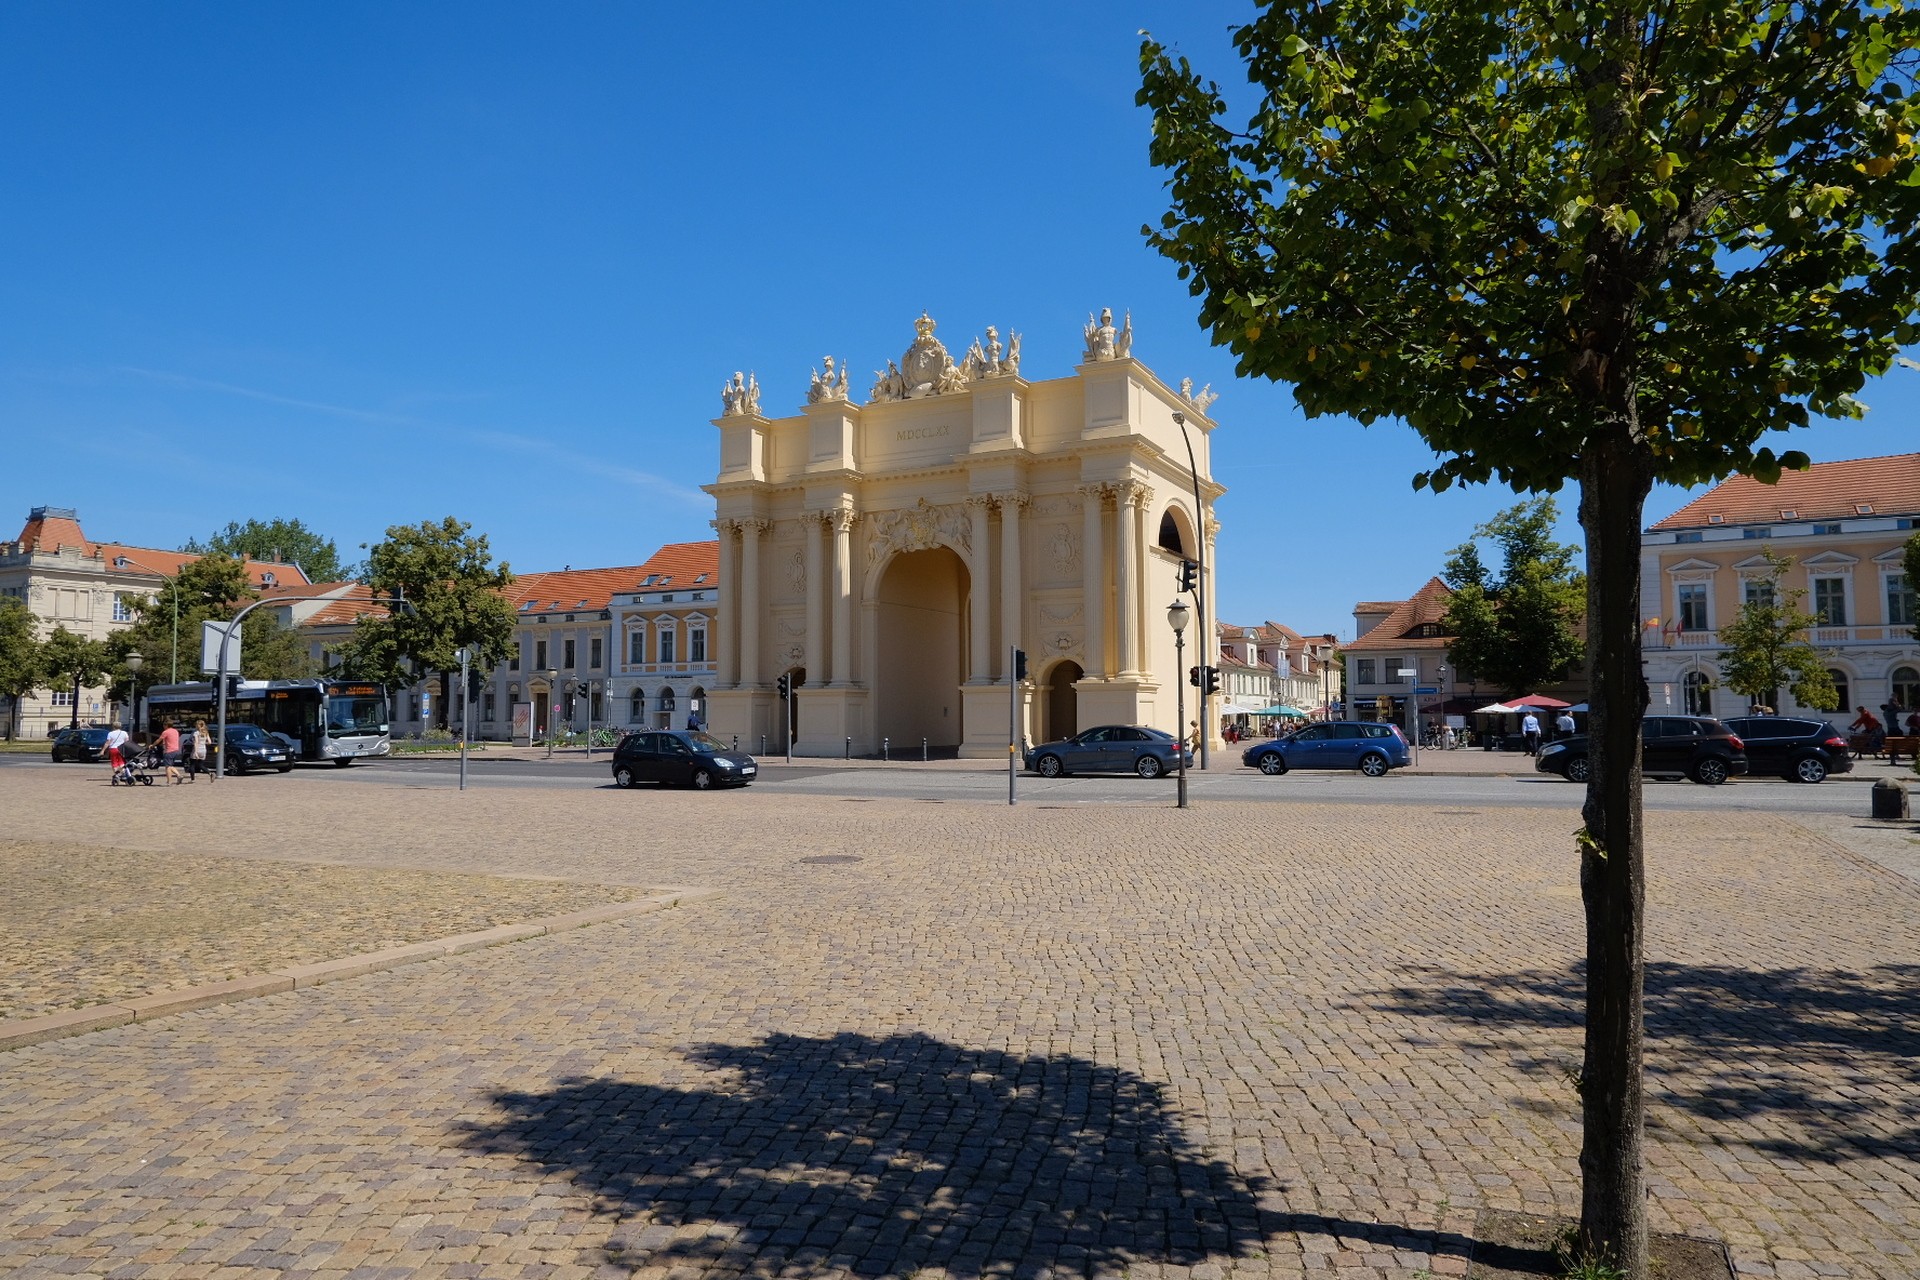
(1200, 586)
(134, 660)
(553, 692)
(1177, 619)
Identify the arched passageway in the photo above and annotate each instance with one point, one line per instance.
(1061, 703)
(922, 632)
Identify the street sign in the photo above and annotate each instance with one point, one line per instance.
(1425, 688)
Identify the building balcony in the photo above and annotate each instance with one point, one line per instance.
(1691, 640)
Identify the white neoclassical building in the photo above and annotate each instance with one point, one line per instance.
(888, 557)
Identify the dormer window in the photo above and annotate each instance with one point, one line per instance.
(702, 578)
(1716, 519)
(1863, 508)
(121, 562)
(525, 605)
(1788, 513)
(267, 579)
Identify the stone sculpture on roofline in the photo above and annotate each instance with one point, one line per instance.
(1104, 342)
(828, 386)
(740, 397)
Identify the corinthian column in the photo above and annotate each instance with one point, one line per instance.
(979, 592)
(842, 522)
(750, 531)
(816, 601)
(1093, 579)
(727, 660)
(1126, 533)
(1011, 577)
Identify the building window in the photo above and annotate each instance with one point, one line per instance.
(1363, 671)
(1830, 601)
(1758, 531)
(637, 647)
(413, 706)
(1759, 591)
(666, 644)
(1697, 692)
(666, 701)
(1690, 535)
(569, 663)
(1842, 689)
(513, 660)
(123, 609)
(636, 707)
(596, 708)
(1906, 686)
(63, 697)
(697, 642)
(593, 653)
(540, 655)
(1826, 528)
(1692, 599)
(1900, 601)
(487, 704)
(1390, 672)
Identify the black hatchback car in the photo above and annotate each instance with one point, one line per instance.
(683, 757)
(1795, 749)
(1697, 747)
(83, 745)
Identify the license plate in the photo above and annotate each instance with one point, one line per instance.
(749, 771)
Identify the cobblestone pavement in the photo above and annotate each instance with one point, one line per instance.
(83, 925)
(966, 1040)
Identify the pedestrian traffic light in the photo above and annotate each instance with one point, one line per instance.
(1189, 575)
(1193, 676)
(785, 685)
(1019, 665)
(1211, 676)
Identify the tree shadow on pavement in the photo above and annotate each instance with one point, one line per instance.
(1833, 1056)
(885, 1155)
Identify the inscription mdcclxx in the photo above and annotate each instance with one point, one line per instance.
(922, 433)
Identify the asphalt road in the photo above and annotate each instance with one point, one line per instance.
(908, 781)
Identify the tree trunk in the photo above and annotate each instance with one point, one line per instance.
(446, 700)
(1614, 481)
(74, 721)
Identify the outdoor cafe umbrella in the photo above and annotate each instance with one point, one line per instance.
(1493, 709)
(1281, 709)
(1537, 700)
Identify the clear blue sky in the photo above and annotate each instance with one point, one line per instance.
(366, 264)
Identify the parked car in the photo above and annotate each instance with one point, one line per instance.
(249, 747)
(1110, 748)
(685, 757)
(1798, 750)
(1697, 747)
(84, 746)
(1370, 747)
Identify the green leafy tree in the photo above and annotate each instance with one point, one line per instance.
(1765, 647)
(1912, 561)
(211, 589)
(454, 597)
(19, 658)
(290, 540)
(1592, 242)
(1521, 630)
(70, 661)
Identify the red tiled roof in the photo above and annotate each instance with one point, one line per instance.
(1429, 604)
(1825, 491)
(675, 566)
(50, 533)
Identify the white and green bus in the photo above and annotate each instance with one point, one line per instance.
(325, 720)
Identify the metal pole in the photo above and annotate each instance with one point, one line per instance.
(923, 751)
(790, 696)
(763, 744)
(886, 745)
(588, 695)
(1200, 585)
(1013, 725)
(849, 754)
(1180, 719)
(464, 704)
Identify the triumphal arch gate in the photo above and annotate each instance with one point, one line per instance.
(888, 557)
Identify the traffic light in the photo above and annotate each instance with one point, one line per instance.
(785, 685)
(1019, 665)
(1189, 575)
(1211, 678)
(1193, 676)
(583, 690)
(473, 682)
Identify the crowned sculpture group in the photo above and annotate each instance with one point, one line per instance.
(926, 368)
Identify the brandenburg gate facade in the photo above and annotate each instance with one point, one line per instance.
(887, 557)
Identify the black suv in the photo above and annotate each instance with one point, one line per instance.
(83, 745)
(1797, 750)
(680, 756)
(1697, 747)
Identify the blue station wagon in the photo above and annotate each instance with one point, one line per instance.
(1371, 748)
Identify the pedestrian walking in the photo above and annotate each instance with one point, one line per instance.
(1563, 726)
(118, 740)
(1530, 730)
(169, 745)
(197, 757)
(1894, 712)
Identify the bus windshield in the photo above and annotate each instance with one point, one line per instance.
(352, 714)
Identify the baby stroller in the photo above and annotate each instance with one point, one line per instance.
(138, 765)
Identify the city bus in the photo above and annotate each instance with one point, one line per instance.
(325, 720)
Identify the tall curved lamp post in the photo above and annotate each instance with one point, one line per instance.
(553, 690)
(134, 660)
(1177, 619)
(1200, 586)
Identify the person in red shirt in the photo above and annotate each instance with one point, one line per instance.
(170, 752)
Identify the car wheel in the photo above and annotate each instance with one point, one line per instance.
(702, 780)
(343, 763)
(286, 768)
(1809, 769)
(1148, 766)
(1373, 764)
(623, 777)
(1273, 764)
(1710, 772)
(1048, 767)
(1579, 769)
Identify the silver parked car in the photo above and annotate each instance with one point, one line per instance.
(1110, 748)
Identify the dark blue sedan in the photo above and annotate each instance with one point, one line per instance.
(1109, 748)
(1371, 748)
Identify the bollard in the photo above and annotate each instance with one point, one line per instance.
(849, 749)
(923, 751)
(885, 745)
(763, 744)
(736, 742)
(1889, 800)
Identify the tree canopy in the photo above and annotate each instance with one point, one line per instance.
(1765, 647)
(1600, 242)
(211, 589)
(1521, 630)
(19, 658)
(290, 540)
(71, 662)
(1912, 562)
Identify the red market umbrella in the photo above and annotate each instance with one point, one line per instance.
(1537, 700)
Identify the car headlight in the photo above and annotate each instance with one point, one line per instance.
(723, 762)
(1552, 747)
